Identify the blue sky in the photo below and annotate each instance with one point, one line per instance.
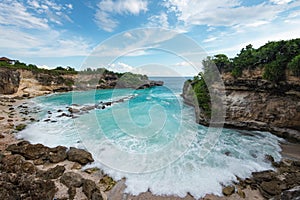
(60, 32)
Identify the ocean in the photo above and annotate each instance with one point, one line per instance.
(150, 137)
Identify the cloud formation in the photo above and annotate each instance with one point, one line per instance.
(108, 8)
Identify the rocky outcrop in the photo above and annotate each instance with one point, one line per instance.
(79, 155)
(9, 81)
(31, 83)
(257, 104)
(21, 178)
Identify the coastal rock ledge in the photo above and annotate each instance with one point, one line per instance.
(256, 104)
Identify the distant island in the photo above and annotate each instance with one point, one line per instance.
(262, 89)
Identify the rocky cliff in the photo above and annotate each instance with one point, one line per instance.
(10, 80)
(254, 103)
(30, 83)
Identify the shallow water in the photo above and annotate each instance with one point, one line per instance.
(151, 138)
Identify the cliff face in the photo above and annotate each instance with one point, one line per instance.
(253, 103)
(29, 83)
(10, 80)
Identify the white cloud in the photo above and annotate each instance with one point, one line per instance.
(120, 67)
(160, 20)
(108, 8)
(281, 1)
(15, 13)
(221, 13)
(19, 43)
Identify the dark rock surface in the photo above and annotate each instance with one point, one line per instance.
(71, 179)
(79, 155)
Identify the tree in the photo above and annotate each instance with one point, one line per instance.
(222, 62)
(294, 66)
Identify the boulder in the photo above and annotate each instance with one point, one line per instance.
(271, 188)
(71, 179)
(89, 187)
(30, 151)
(52, 173)
(228, 190)
(58, 154)
(79, 155)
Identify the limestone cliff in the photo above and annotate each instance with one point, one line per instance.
(10, 80)
(31, 83)
(254, 103)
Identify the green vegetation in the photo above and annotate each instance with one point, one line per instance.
(31, 67)
(294, 66)
(274, 58)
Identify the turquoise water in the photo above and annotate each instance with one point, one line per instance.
(151, 138)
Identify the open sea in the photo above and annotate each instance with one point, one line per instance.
(150, 137)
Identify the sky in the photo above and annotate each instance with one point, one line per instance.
(145, 36)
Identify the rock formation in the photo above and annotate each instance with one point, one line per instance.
(254, 103)
(10, 80)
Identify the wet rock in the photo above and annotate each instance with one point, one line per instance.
(71, 179)
(271, 188)
(52, 173)
(2, 118)
(92, 170)
(59, 110)
(73, 110)
(228, 190)
(79, 155)
(107, 183)
(292, 194)
(89, 187)
(21, 127)
(267, 175)
(58, 154)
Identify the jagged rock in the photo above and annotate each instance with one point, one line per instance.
(58, 154)
(24, 186)
(89, 188)
(291, 194)
(267, 175)
(71, 179)
(30, 151)
(229, 190)
(79, 155)
(16, 164)
(52, 173)
(269, 189)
